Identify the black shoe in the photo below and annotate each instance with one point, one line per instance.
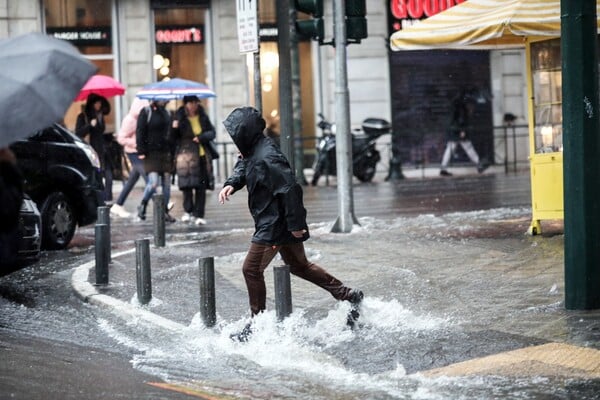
(244, 335)
(443, 172)
(142, 211)
(355, 299)
(482, 167)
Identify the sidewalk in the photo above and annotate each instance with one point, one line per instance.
(500, 291)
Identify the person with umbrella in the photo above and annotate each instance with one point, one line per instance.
(192, 131)
(41, 75)
(156, 150)
(90, 126)
(45, 72)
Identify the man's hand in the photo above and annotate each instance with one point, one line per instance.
(463, 134)
(225, 193)
(141, 156)
(298, 234)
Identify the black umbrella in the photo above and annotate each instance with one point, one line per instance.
(40, 77)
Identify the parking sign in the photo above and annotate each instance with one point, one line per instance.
(247, 21)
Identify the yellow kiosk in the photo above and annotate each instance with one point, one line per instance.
(545, 131)
(488, 24)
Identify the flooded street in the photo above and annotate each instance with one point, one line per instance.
(441, 289)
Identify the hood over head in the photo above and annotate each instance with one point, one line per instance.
(91, 99)
(245, 125)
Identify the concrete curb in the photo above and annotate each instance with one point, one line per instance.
(88, 293)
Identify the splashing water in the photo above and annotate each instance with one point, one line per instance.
(312, 353)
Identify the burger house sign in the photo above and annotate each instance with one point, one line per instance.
(407, 12)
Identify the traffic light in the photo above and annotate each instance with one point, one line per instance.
(311, 27)
(356, 23)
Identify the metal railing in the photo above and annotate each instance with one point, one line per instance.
(511, 149)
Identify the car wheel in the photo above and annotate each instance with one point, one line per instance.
(58, 221)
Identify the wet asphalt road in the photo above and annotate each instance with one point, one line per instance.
(52, 345)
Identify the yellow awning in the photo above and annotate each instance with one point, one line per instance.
(483, 24)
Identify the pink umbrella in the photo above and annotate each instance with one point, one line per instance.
(102, 85)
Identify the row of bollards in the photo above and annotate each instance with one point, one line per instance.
(142, 271)
(206, 267)
(159, 220)
(283, 291)
(103, 241)
(102, 247)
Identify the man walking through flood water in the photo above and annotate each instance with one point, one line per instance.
(275, 202)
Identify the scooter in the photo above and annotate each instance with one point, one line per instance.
(364, 154)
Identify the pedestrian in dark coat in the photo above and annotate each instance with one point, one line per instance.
(156, 151)
(90, 126)
(192, 132)
(459, 132)
(275, 202)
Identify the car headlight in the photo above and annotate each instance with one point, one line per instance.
(90, 153)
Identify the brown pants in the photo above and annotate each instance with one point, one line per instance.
(258, 258)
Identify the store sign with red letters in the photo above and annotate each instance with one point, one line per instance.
(406, 12)
(179, 34)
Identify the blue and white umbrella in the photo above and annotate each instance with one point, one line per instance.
(175, 88)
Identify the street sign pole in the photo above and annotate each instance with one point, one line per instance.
(346, 218)
(286, 117)
(249, 41)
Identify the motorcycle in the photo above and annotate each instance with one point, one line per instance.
(364, 154)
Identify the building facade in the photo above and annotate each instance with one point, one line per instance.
(141, 41)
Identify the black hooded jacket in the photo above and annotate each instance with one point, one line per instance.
(274, 196)
(83, 126)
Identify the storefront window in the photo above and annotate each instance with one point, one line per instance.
(179, 39)
(547, 90)
(87, 25)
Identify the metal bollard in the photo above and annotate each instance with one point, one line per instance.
(101, 233)
(104, 218)
(206, 267)
(159, 220)
(283, 291)
(142, 270)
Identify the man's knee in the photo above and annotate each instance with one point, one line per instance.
(251, 272)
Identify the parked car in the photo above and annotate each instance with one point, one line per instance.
(23, 244)
(62, 176)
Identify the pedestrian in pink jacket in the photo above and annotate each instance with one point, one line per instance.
(126, 138)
